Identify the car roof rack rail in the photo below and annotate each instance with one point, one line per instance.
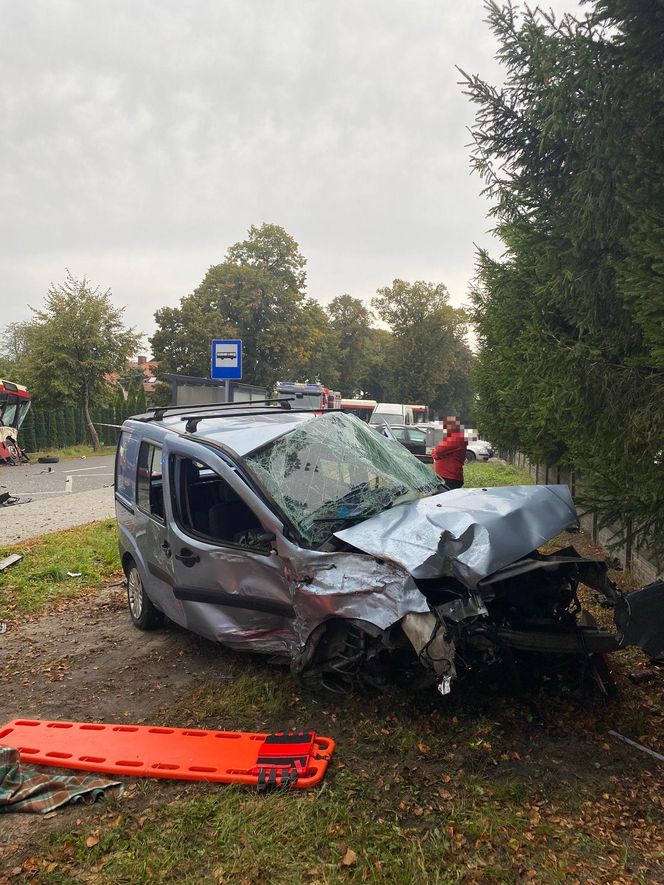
(193, 420)
(158, 413)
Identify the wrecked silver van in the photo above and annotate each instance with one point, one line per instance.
(313, 537)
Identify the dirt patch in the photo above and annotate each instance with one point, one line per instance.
(88, 663)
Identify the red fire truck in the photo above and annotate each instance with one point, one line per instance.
(14, 405)
(309, 396)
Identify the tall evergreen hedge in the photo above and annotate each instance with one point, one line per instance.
(570, 318)
(48, 429)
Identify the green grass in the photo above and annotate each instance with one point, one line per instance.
(80, 451)
(418, 790)
(41, 576)
(488, 475)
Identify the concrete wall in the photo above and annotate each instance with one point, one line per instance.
(638, 560)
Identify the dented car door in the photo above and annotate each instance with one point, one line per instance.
(227, 574)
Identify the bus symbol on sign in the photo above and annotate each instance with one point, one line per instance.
(226, 359)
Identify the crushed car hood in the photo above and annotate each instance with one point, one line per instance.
(467, 534)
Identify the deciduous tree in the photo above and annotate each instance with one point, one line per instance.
(351, 326)
(74, 340)
(256, 294)
(427, 338)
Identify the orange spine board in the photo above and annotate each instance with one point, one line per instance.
(190, 754)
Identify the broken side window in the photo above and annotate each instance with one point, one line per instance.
(207, 506)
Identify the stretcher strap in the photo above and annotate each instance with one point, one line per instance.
(283, 758)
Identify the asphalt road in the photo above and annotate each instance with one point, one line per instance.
(40, 481)
(70, 493)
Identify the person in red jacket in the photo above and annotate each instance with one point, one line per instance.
(450, 454)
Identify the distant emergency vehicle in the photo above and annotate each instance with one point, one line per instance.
(310, 396)
(361, 408)
(398, 413)
(14, 405)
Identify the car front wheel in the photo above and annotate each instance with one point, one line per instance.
(143, 613)
(470, 457)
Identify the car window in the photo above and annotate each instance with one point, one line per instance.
(417, 435)
(149, 485)
(206, 506)
(126, 459)
(399, 432)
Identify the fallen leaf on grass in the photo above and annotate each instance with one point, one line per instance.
(349, 857)
(91, 841)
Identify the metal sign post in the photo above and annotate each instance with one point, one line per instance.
(226, 362)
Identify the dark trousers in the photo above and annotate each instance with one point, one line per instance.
(452, 483)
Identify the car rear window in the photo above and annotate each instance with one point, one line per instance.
(126, 459)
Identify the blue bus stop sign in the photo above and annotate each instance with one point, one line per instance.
(226, 359)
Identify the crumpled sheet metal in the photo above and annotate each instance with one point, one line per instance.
(319, 586)
(350, 586)
(466, 533)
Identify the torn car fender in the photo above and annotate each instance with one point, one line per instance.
(351, 586)
(639, 617)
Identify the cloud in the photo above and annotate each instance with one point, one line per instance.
(139, 140)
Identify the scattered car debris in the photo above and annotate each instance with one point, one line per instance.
(637, 677)
(7, 500)
(294, 759)
(12, 559)
(3, 627)
(74, 574)
(626, 740)
(48, 459)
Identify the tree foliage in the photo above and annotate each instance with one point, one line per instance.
(570, 320)
(256, 294)
(350, 329)
(72, 342)
(427, 350)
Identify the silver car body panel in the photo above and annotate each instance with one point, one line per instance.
(242, 434)
(466, 533)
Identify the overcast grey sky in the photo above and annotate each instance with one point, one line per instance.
(139, 140)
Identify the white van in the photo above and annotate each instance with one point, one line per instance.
(392, 413)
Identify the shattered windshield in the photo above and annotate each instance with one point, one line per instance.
(336, 470)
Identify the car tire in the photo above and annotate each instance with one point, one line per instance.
(471, 457)
(144, 615)
(48, 459)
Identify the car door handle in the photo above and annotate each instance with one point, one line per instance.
(186, 557)
(166, 547)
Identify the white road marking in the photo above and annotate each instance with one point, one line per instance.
(82, 469)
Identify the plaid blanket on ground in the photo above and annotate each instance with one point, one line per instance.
(25, 789)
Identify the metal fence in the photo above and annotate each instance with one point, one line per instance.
(641, 562)
(58, 428)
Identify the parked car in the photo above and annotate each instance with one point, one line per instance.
(412, 438)
(478, 450)
(316, 538)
